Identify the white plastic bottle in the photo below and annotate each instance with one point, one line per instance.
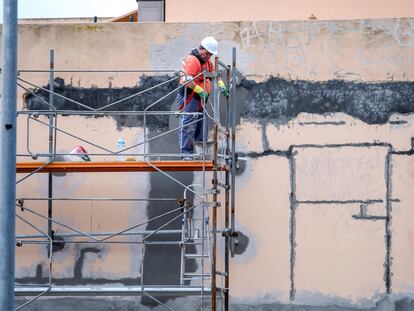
(120, 145)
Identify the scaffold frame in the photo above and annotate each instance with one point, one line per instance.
(221, 165)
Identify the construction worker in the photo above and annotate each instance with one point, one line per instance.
(197, 93)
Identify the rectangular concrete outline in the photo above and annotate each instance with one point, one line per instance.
(388, 207)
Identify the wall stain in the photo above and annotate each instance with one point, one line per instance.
(292, 223)
(279, 100)
(96, 98)
(58, 243)
(78, 278)
(274, 101)
(89, 28)
(193, 303)
(267, 152)
(388, 220)
(162, 262)
(242, 243)
(405, 304)
(77, 274)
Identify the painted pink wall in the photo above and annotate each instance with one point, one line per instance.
(247, 10)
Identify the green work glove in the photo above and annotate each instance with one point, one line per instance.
(223, 88)
(203, 94)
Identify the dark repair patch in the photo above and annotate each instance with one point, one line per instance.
(99, 97)
(278, 100)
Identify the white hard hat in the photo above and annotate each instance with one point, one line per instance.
(210, 44)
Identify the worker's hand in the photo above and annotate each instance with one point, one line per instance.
(223, 88)
(203, 94)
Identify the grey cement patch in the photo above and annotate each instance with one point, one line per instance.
(111, 304)
(404, 304)
(274, 101)
(292, 226)
(162, 262)
(242, 242)
(41, 277)
(268, 152)
(385, 303)
(192, 304)
(281, 307)
(278, 100)
(245, 245)
(58, 242)
(79, 262)
(95, 98)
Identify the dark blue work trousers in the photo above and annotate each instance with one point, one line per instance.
(191, 127)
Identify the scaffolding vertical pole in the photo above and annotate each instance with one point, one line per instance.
(214, 227)
(233, 150)
(8, 154)
(204, 225)
(214, 188)
(51, 157)
(216, 98)
(227, 204)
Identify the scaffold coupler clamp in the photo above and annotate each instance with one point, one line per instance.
(229, 233)
(213, 191)
(212, 204)
(20, 203)
(230, 160)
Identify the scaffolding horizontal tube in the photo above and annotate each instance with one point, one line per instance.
(111, 290)
(75, 235)
(119, 166)
(157, 243)
(72, 235)
(100, 199)
(100, 70)
(104, 113)
(126, 155)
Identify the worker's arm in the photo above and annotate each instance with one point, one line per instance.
(191, 84)
(198, 89)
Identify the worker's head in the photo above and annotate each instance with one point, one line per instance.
(208, 47)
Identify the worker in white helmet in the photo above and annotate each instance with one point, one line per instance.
(197, 92)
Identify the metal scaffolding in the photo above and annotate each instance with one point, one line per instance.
(215, 201)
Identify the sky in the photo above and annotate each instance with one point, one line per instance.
(72, 8)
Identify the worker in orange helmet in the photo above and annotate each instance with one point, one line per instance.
(197, 93)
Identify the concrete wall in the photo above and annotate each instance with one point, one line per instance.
(325, 123)
(235, 10)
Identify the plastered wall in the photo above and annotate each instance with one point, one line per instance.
(235, 10)
(325, 128)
